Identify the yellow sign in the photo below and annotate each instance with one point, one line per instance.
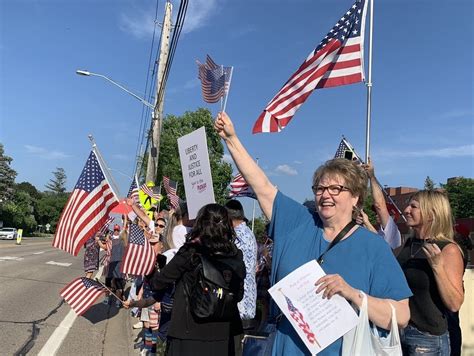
(19, 235)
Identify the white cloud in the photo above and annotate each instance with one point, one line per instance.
(297, 162)
(286, 169)
(44, 153)
(198, 14)
(140, 21)
(448, 152)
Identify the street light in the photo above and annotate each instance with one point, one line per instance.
(90, 74)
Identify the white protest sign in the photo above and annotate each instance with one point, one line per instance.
(319, 322)
(196, 169)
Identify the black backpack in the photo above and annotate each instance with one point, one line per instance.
(209, 292)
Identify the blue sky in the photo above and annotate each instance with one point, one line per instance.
(422, 116)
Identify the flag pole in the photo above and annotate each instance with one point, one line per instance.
(159, 201)
(253, 212)
(369, 83)
(103, 285)
(227, 91)
(106, 171)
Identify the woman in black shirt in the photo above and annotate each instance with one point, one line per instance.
(433, 265)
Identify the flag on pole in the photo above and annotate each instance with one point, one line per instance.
(240, 188)
(87, 208)
(337, 60)
(171, 188)
(139, 258)
(105, 228)
(149, 191)
(133, 191)
(214, 79)
(81, 294)
(345, 150)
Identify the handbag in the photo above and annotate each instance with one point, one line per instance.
(365, 340)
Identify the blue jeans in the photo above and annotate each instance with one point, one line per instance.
(415, 342)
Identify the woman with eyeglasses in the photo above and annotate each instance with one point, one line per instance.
(433, 265)
(358, 262)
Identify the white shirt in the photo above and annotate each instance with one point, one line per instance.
(179, 235)
(391, 234)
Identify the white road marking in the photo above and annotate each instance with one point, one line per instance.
(39, 253)
(56, 339)
(10, 258)
(63, 264)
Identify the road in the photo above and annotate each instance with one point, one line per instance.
(34, 320)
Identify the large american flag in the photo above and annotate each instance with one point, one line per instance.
(214, 80)
(81, 294)
(337, 60)
(171, 188)
(87, 208)
(300, 322)
(139, 258)
(240, 188)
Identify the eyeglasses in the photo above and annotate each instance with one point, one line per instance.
(334, 189)
(162, 226)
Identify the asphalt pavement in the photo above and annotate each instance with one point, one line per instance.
(34, 320)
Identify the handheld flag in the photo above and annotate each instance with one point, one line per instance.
(240, 188)
(149, 191)
(105, 228)
(337, 60)
(139, 257)
(87, 208)
(215, 80)
(81, 294)
(171, 189)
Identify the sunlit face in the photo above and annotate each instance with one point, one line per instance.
(159, 226)
(332, 206)
(413, 214)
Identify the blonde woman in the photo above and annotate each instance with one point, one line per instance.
(433, 265)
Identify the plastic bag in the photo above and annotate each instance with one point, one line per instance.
(365, 340)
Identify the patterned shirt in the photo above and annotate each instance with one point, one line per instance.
(246, 242)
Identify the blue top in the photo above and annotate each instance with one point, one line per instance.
(365, 261)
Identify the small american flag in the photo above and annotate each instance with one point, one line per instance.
(240, 188)
(302, 324)
(81, 294)
(344, 150)
(337, 60)
(214, 80)
(105, 228)
(139, 258)
(87, 208)
(170, 188)
(149, 191)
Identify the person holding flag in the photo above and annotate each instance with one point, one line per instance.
(352, 258)
(388, 228)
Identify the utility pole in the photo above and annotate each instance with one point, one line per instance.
(157, 114)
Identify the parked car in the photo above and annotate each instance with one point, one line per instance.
(8, 233)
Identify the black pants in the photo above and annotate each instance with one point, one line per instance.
(455, 336)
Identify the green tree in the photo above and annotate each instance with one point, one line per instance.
(259, 228)
(169, 164)
(58, 183)
(460, 192)
(49, 208)
(18, 212)
(7, 177)
(429, 184)
(30, 189)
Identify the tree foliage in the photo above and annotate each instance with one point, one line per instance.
(58, 183)
(7, 176)
(429, 184)
(461, 196)
(169, 163)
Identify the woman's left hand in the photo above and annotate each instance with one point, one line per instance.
(433, 254)
(334, 283)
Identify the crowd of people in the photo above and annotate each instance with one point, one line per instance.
(420, 276)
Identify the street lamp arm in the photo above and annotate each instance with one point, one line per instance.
(88, 74)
